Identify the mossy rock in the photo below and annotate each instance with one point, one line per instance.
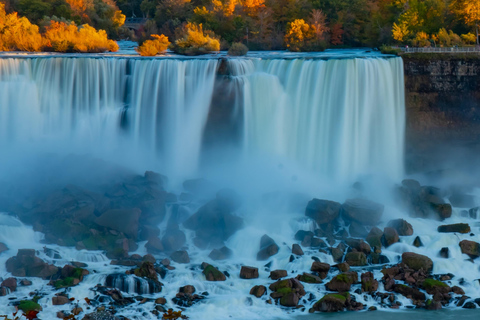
(284, 291)
(332, 302)
(29, 305)
(430, 283)
(213, 274)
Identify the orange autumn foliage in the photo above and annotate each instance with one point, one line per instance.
(62, 37)
(18, 34)
(153, 47)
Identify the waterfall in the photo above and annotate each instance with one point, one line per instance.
(337, 118)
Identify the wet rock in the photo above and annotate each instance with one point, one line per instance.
(410, 293)
(278, 274)
(343, 267)
(25, 282)
(474, 213)
(322, 211)
(121, 220)
(433, 305)
(214, 222)
(417, 242)
(268, 248)
(309, 278)
(69, 276)
(180, 257)
(320, 268)
(390, 236)
(356, 259)
(258, 291)
(362, 211)
(425, 202)
(369, 284)
(213, 274)
(457, 290)
(154, 245)
(304, 236)
(411, 184)
(359, 245)
(3, 247)
(186, 297)
(374, 238)
(100, 315)
(357, 230)
(288, 291)
(457, 227)
(469, 305)
(220, 254)
(402, 227)
(471, 248)
(296, 249)
(10, 283)
(377, 258)
(26, 264)
(146, 270)
(342, 282)
(173, 240)
(444, 252)
(332, 302)
(417, 261)
(434, 287)
(248, 272)
(337, 252)
(60, 300)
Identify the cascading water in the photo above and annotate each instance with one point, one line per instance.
(338, 118)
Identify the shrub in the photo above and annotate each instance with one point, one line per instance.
(389, 50)
(194, 40)
(237, 49)
(153, 47)
(469, 38)
(421, 40)
(18, 33)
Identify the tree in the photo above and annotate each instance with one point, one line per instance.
(159, 44)
(400, 31)
(469, 11)
(193, 40)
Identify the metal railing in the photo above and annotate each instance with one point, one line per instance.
(439, 49)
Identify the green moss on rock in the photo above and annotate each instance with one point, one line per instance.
(28, 305)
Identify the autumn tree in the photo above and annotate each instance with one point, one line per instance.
(159, 44)
(193, 40)
(302, 36)
(469, 11)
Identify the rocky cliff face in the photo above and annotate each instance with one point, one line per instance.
(443, 110)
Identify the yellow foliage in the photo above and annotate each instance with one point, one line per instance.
(421, 39)
(195, 41)
(469, 38)
(63, 37)
(400, 31)
(118, 19)
(469, 10)
(298, 32)
(252, 6)
(153, 47)
(225, 6)
(18, 33)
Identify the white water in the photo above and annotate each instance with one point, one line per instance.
(338, 119)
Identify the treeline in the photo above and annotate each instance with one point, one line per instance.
(313, 24)
(19, 34)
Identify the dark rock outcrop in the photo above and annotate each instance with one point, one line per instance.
(268, 248)
(362, 211)
(402, 227)
(417, 261)
(248, 272)
(322, 211)
(342, 282)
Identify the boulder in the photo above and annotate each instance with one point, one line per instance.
(173, 240)
(268, 248)
(26, 264)
(60, 300)
(10, 283)
(322, 211)
(154, 245)
(258, 291)
(288, 291)
(337, 252)
(417, 261)
(390, 236)
(410, 293)
(357, 230)
(213, 274)
(356, 258)
(278, 274)
(417, 242)
(309, 278)
(248, 272)
(146, 270)
(180, 257)
(121, 220)
(342, 282)
(362, 211)
(320, 268)
(433, 305)
(433, 286)
(457, 227)
(369, 284)
(343, 267)
(374, 238)
(214, 222)
(332, 302)
(296, 249)
(471, 248)
(402, 227)
(220, 254)
(359, 245)
(3, 247)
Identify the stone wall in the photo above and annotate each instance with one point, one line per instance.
(443, 110)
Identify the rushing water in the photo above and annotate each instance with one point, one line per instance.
(337, 118)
